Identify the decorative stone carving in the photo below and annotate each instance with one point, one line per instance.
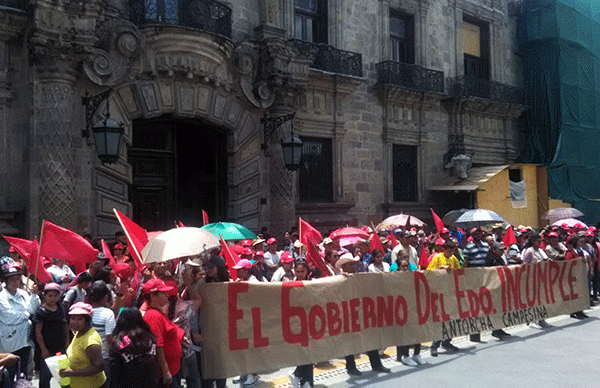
(117, 54)
(270, 69)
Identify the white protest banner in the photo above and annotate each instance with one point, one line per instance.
(256, 327)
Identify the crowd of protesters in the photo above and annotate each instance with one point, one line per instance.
(127, 325)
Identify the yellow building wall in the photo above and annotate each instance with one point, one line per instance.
(495, 195)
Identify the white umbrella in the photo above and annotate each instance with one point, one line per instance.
(398, 221)
(178, 242)
(478, 217)
(571, 222)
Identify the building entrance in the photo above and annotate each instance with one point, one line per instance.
(179, 169)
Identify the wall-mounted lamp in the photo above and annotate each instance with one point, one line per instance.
(291, 146)
(108, 133)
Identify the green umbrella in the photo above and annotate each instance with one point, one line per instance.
(229, 230)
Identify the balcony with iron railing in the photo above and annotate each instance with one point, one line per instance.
(410, 76)
(206, 15)
(466, 86)
(330, 59)
(13, 5)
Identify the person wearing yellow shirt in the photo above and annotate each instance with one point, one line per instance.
(444, 260)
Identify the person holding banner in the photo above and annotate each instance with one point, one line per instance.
(444, 260)
(303, 375)
(347, 264)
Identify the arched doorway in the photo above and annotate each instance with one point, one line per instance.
(179, 168)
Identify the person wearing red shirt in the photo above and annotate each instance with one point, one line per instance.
(169, 336)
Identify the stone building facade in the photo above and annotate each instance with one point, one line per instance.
(384, 93)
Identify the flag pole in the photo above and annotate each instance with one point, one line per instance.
(37, 263)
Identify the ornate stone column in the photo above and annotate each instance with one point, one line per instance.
(54, 141)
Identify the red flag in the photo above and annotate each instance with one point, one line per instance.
(29, 250)
(407, 225)
(307, 233)
(61, 243)
(231, 258)
(423, 257)
(313, 257)
(204, 218)
(109, 256)
(392, 238)
(439, 225)
(509, 237)
(137, 236)
(376, 244)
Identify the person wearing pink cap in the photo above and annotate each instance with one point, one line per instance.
(243, 270)
(86, 365)
(286, 271)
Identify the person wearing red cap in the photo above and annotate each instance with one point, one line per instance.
(590, 247)
(169, 336)
(286, 271)
(555, 249)
(272, 257)
(259, 269)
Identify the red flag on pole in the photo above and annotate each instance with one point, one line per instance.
(376, 244)
(137, 236)
(59, 242)
(108, 254)
(29, 250)
(407, 225)
(307, 233)
(231, 258)
(313, 257)
(204, 218)
(393, 240)
(509, 237)
(423, 257)
(439, 225)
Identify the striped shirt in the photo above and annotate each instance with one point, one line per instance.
(103, 321)
(475, 253)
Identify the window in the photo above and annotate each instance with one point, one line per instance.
(476, 48)
(405, 173)
(316, 170)
(402, 37)
(310, 20)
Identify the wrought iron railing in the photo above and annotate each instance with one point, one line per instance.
(330, 59)
(472, 87)
(207, 15)
(14, 4)
(410, 76)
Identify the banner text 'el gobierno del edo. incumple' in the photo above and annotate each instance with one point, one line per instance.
(256, 327)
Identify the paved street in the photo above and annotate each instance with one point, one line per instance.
(562, 356)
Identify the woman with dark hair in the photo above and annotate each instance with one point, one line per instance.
(532, 254)
(86, 365)
(303, 375)
(132, 352)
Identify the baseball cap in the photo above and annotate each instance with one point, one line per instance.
(155, 285)
(244, 263)
(271, 240)
(286, 257)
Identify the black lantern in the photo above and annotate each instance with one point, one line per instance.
(291, 146)
(292, 152)
(108, 133)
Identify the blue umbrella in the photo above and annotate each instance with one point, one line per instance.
(229, 230)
